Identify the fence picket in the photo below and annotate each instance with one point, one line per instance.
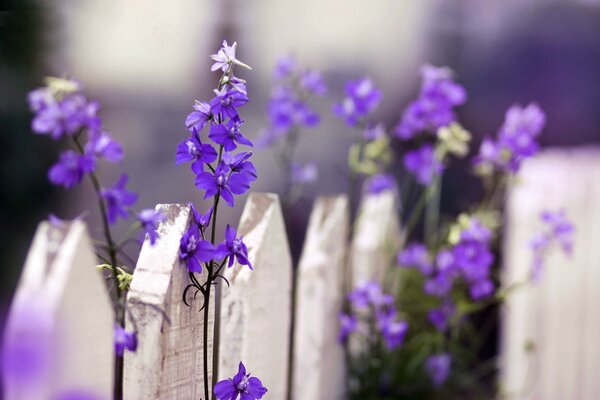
(558, 314)
(318, 367)
(61, 320)
(168, 361)
(255, 310)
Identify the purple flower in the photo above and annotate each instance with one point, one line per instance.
(150, 219)
(225, 58)
(312, 81)
(202, 220)
(415, 255)
(193, 249)
(285, 111)
(227, 102)
(557, 229)
(438, 368)
(229, 134)
(440, 316)
(248, 388)
(474, 259)
(374, 132)
(348, 324)
(306, 173)
(445, 263)
(393, 333)
(124, 340)
(222, 183)
(481, 289)
(234, 248)
(198, 119)
(362, 97)
(476, 231)
(102, 145)
(439, 286)
(192, 149)
(285, 67)
(238, 163)
(423, 163)
(118, 199)
(380, 183)
(71, 168)
(369, 294)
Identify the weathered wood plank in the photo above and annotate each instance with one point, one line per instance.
(61, 311)
(255, 310)
(318, 367)
(168, 362)
(376, 237)
(559, 314)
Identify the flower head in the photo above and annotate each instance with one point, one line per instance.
(306, 173)
(242, 384)
(103, 146)
(124, 340)
(198, 118)
(118, 199)
(225, 58)
(71, 168)
(223, 181)
(415, 255)
(229, 134)
(193, 249)
(423, 163)
(150, 219)
(227, 102)
(192, 149)
(348, 324)
(362, 97)
(234, 248)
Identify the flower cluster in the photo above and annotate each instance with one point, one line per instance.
(372, 309)
(362, 97)
(558, 230)
(516, 141)
(242, 385)
(434, 108)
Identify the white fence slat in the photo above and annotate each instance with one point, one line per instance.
(318, 368)
(376, 237)
(61, 284)
(168, 362)
(255, 310)
(560, 313)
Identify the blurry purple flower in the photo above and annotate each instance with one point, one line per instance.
(312, 81)
(124, 340)
(40, 98)
(192, 149)
(380, 183)
(67, 116)
(438, 368)
(227, 102)
(481, 289)
(476, 232)
(229, 134)
(394, 332)
(285, 111)
(193, 250)
(440, 316)
(369, 294)
(474, 259)
(445, 263)
(150, 219)
(222, 183)
(362, 97)
(348, 324)
(118, 199)
(285, 67)
(527, 121)
(71, 168)
(104, 146)
(439, 285)
(423, 164)
(302, 174)
(557, 229)
(374, 132)
(415, 255)
(198, 119)
(234, 248)
(248, 388)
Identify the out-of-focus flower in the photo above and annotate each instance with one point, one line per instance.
(118, 199)
(415, 255)
(437, 367)
(124, 340)
(150, 219)
(306, 173)
(71, 168)
(101, 144)
(348, 325)
(423, 163)
(380, 183)
(440, 316)
(362, 97)
(242, 384)
(557, 229)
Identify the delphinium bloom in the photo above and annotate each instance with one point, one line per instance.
(102, 145)
(124, 340)
(242, 385)
(557, 231)
(368, 304)
(415, 255)
(423, 164)
(193, 250)
(516, 140)
(437, 367)
(362, 97)
(71, 169)
(434, 108)
(118, 199)
(150, 219)
(192, 149)
(234, 248)
(440, 316)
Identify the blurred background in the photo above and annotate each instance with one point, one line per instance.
(147, 60)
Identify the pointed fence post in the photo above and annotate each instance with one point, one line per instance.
(376, 238)
(255, 310)
(318, 367)
(556, 318)
(59, 334)
(168, 361)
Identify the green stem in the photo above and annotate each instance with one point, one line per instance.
(432, 211)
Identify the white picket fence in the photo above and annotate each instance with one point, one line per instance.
(255, 319)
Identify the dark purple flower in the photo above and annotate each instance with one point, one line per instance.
(222, 183)
(104, 146)
(239, 164)
(71, 168)
(150, 219)
(124, 340)
(481, 289)
(193, 249)
(394, 332)
(440, 316)
(66, 116)
(248, 388)
(312, 81)
(306, 173)
(348, 324)
(380, 183)
(202, 220)
(474, 259)
(228, 134)
(192, 149)
(362, 97)
(423, 163)
(198, 119)
(234, 248)
(227, 102)
(438, 368)
(118, 199)
(415, 255)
